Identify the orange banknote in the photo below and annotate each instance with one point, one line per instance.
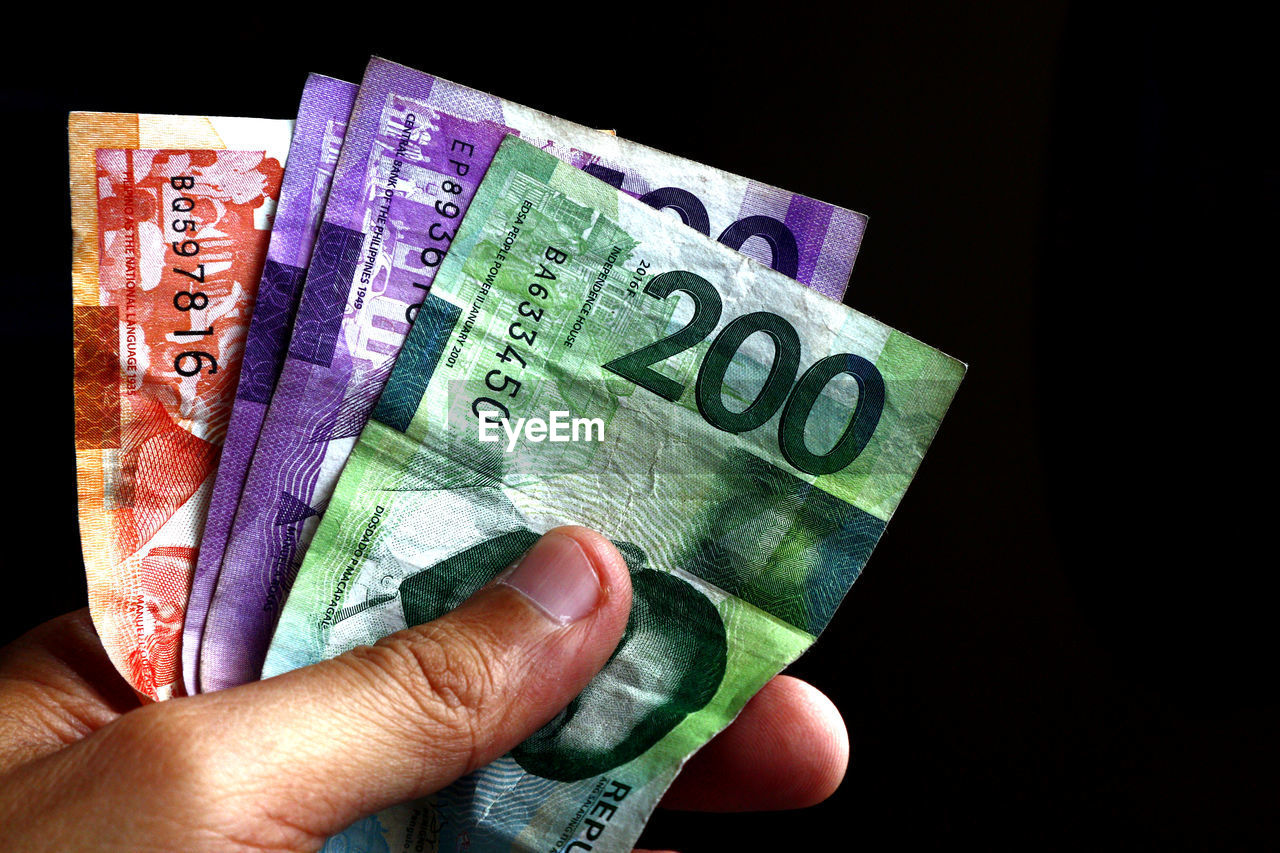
(170, 217)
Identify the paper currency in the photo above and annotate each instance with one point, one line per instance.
(415, 151)
(170, 217)
(753, 440)
(313, 154)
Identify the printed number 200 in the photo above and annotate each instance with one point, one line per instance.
(780, 389)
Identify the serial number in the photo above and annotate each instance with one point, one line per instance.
(184, 245)
(523, 332)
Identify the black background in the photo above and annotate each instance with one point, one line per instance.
(1065, 638)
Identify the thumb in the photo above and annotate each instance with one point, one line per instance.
(320, 747)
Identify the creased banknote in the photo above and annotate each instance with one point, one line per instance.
(170, 217)
(416, 149)
(741, 439)
(313, 155)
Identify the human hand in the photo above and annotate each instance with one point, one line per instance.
(284, 763)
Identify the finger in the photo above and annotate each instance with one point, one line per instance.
(56, 686)
(317, 748)
(787, 749)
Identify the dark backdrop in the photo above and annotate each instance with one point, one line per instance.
(1063, 640)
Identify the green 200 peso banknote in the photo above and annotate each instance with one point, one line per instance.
(742, 439)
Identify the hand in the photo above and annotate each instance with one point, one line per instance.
(284, 763)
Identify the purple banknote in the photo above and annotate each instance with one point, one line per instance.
(313, 156)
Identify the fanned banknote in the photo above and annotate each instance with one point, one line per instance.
(170, 217)
(313, 155)
(741, 439)
(416, 149)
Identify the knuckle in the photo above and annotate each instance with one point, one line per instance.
(149, 730)
(196, 787)
(448, 678)
(157, 748)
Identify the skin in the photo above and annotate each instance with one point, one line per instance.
(281, 764)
